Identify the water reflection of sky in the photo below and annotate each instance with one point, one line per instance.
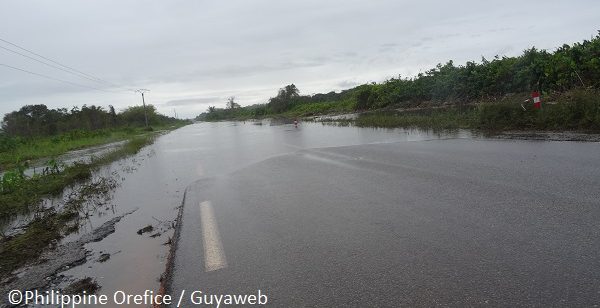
(153, 182)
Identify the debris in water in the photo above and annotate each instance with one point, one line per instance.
(145, 229)
(103, 257)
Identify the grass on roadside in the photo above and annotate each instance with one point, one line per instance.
(312, 109)
(447, 119)
(576, 110)
(15, 149)
(25, 195)
(51, 225)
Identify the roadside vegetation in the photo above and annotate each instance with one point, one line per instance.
(576, 110)
(35, 132)
(488, 94)
(25, 195)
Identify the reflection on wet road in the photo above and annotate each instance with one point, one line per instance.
(451, 222)
(153, 182)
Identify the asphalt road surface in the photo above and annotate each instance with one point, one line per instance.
(444, 222)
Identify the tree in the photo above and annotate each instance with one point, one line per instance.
(291, 91)
(112, 115)
(364, 98)
(284, 99)
(231, 104)
(135, 115)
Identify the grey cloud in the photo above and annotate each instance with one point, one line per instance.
(189, 52)
(193, 101)
(346, 84)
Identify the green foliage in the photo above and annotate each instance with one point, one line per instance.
(575, 110)
(311, 109)
(284, 100)
(20, 193)
(53, 166)
(24, 149)
(8, 143)
(26, 246)
(248, 112)
(567, 68)
(430, 119)
(365, 98)
(499, 116)
(134, 116)
(12, 179)
(33, 121)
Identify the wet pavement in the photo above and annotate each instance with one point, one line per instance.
(152, 183)
(450, 222)
(310, 213)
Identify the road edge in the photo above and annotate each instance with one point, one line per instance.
(166, 276)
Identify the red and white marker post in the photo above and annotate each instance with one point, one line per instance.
(537, 102)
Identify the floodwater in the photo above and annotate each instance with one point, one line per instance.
(14, 225)
(153, 183)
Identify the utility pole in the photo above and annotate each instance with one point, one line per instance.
(142, 91)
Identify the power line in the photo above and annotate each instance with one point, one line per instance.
(91, 77)
(64, 68)
(55, 79)
(50, 65)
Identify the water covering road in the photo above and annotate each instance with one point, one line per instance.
(153, 182)
(326, 216)
(451, 222)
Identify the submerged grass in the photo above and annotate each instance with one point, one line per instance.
(20, 249)
(573, 111)
(50, 226)
(448, 119)
(28, 194)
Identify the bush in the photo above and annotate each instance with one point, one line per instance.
(8, 143)
(585, 109)
(498, 116)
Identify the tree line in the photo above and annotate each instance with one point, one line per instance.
(39, 120)
(566, 68)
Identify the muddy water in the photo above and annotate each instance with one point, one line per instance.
(153, 182)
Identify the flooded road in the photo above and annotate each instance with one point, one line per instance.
(152, 183)
(286, 198)
(445, 222)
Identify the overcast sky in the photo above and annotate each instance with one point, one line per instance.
(192, 54)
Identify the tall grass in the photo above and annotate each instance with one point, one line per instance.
(310, 109)
(29, 192)
(15, 150)
(52, 225)
(20, 149)
(447, 119)
(576, 110)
